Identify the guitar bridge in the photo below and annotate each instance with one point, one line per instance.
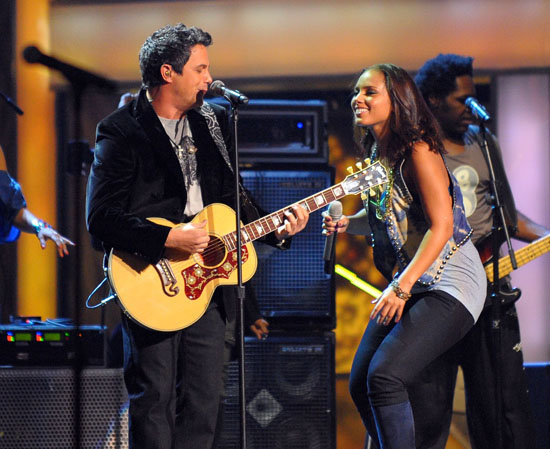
(167, 277)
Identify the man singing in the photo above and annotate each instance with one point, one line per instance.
(167, 154)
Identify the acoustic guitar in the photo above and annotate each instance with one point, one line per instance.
(175, 292)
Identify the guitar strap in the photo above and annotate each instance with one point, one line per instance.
(207, 112)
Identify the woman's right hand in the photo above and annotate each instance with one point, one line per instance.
(329, 225)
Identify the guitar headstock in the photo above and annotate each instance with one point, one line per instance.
(364, 178)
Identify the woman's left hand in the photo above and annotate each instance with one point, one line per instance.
(47, 233)
(388, 306)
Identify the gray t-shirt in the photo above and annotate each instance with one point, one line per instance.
(179, 133)
(472, 174)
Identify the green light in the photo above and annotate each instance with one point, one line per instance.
(52, 336)
(19, 336)
(356, 281)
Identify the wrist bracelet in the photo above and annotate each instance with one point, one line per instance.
(38, 225)
(398, 291)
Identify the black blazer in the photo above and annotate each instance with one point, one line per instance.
(136, 174)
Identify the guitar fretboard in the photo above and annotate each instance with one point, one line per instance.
(273, 221)
(369, 177)
(523, 256)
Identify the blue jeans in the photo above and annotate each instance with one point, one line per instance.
(389, 358)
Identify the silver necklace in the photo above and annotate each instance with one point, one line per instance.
(186, 142)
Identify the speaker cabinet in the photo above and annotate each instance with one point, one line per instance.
(291, 286)
(290, 394)
(538, 381)
(39, 410)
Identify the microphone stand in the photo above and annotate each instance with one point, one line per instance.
(499, 223)
(240, 287)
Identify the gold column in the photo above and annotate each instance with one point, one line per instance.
(37, 277)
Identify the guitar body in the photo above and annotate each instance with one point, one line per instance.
(175, 293)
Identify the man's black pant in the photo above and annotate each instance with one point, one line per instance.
(174, 381)
(432, 395)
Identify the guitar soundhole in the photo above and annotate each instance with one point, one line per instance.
(214, 253)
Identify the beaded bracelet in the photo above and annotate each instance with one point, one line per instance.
(38, 225)
(398, 291)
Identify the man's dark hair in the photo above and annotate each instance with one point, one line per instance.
(169, 45)
(436, 78)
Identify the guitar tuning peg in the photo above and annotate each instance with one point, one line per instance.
(367, 161)
(372, 192)
(359, 165)
(349, 169)
(364, 196)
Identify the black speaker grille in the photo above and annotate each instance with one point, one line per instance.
(289, 394)
(38, 409)
(292, 284)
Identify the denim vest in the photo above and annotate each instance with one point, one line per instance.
(397, 236)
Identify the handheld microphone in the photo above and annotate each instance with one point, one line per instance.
(478, 110)
(335, 212)
(218, 89)
(74, 74)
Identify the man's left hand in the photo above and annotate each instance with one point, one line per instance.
(295, 220)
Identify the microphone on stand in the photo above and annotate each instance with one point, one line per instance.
(218, 89)
(477, 109)
(74, 74)
(335, 212)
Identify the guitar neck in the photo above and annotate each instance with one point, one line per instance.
(523, 256)
(263, 226)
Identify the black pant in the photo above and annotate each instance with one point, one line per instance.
(390, 358)
(174, 381)
(432, 396)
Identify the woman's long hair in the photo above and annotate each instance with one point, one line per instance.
(410, 119)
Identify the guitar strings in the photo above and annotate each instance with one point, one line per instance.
(220, 243)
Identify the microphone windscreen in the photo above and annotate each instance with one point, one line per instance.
(216, 87)
(335, 210)
(32, 54)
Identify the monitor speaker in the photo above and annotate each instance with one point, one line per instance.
(39, 410)
(538, 381)
(290, 394)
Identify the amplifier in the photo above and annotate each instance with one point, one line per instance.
(48, 345)
(282, 131)
(290, 393)
(292, 287)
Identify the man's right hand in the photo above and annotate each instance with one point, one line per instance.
(190, 238)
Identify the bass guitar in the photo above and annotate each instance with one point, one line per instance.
(507, 294)
(175, 292)
(523, 256)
